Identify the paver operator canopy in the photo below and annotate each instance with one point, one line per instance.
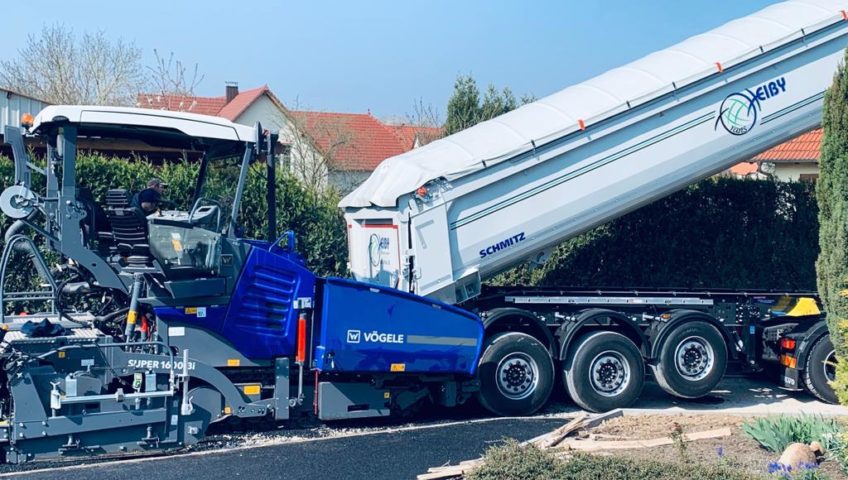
(441, 218)
(221, 144)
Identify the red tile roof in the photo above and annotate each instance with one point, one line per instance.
(355, 141)
(744, 168)
(408, 133)
(181, 103)
(215, 106)
(803, 148)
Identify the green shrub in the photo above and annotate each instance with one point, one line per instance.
(776, 433)
(837, 450)
(591, 467)
(511, 461)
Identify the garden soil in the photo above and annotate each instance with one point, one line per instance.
(738, 450)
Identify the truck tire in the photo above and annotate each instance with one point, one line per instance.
(516, 374)
(692, 360)
(604, 372)
(820, 368)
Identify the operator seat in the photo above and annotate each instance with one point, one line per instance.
(129, 228)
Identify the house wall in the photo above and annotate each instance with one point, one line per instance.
(302, 159)
(791, 172)
(264, 111)
(12, 106)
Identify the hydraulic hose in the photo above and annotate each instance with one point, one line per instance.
(25, 247)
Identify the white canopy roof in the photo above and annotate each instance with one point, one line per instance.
(192, 124)
(605, 95)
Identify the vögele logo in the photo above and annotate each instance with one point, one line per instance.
(739, 111)
(353, 336)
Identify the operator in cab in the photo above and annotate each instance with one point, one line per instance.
(148, 200)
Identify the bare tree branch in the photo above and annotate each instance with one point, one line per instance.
(310, 162)
(427, 122)
(58, 67)
(169, 79)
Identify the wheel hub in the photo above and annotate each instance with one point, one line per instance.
(829, 366)
(518, 376)
(694, 358)
(609, 373)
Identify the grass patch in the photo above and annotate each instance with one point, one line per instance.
(511, 461)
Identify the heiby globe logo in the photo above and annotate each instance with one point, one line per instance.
(738, 113)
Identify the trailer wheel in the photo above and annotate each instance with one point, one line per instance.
(820, 370)
(692, 360)
(604, 372)
(516, 374)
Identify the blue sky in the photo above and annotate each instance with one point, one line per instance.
(383, 55)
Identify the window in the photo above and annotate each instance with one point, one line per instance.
(809, 177)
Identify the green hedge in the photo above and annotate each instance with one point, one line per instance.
(719, 233)
(313, 216)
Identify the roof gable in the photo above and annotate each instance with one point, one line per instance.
(355, 141)
(241, 102)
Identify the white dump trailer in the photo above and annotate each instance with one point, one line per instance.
(439, 220)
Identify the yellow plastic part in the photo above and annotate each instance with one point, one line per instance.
(804, 306)
(398, 367)
(252, 389)
(233, 362)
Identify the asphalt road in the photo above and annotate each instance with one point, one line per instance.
(399, 450)
(394, 455)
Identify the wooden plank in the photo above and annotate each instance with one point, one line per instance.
(603, 417)
(562, 432)
(554, 437)
(448, 472)
(595, 445)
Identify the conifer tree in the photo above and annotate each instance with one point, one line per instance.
(832, 196)
(464, 105)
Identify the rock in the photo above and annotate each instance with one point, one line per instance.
(817, 448)
(797, 453)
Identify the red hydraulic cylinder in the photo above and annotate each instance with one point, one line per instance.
(301, 340)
